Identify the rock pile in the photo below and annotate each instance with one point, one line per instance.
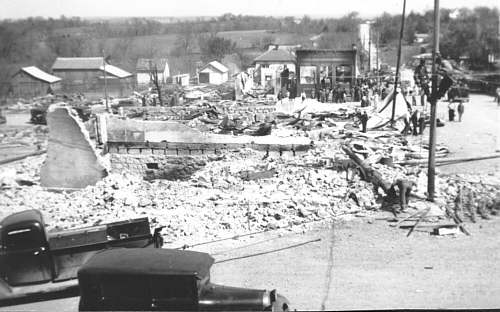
(32, 136)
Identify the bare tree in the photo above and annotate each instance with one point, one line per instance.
(153, 76)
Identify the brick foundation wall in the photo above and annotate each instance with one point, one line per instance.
(156, 166)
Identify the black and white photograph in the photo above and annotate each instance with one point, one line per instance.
(249, 155)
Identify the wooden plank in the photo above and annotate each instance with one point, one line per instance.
(418, 221)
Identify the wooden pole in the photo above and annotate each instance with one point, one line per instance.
(431, 173)
(378, 68)
(369, 48)
(398, 62)
(105, 80)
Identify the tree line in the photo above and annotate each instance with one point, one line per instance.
(38, 41)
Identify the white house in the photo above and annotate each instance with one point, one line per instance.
(270, 64)
(213, 73)
(145, 66)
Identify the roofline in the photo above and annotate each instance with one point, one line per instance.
(208, 64)
(22, 70)
(324, 50)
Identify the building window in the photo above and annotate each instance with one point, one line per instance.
(307, 74)
(152, 166)
(343, 73)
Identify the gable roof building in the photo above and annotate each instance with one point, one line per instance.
(213, 73)
(88, 63)
(31, 81)
(87, 74)
(215, 65)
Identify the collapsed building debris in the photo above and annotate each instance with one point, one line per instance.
(196, 167)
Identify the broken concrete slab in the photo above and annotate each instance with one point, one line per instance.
(72, 161)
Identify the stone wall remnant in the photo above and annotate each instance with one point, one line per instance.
(72, 161)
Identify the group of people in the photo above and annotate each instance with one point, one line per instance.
(453, 109)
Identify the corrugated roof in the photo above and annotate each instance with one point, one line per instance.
(115, 71)
(278, 55)
(78, 63)
(218, 66)
(37, 73)
(143, 63)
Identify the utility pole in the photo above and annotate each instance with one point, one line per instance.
(378, 68)
(398, 63)
(105, 80)
(369, 47)
(431, 173)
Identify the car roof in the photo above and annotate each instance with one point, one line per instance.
(22, 218)
(148, 261)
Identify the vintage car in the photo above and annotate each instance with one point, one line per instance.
(163, 280)
(39, 113)
(34, 262)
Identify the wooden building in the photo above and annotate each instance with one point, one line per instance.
(86, 75)
(31, 81)
(316, 67)
(213, 73)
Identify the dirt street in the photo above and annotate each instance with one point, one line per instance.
(363, 263)
(358, 265)
(476, 135)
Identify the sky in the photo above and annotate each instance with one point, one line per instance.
(179, 8)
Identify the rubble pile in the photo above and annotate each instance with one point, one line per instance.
(245, 190)
(232, 194)
(35, 136)
(216, 202)
(46, 100)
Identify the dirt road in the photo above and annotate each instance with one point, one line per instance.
(358, 265)
(476, 135)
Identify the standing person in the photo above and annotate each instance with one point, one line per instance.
(364, 121)
(357, 96)
(293, 88)
(330, 95)
(460, 110)
(414, 121)
(421, 77)
(421, 124)
(284, 77)
(451, 111)
(498, 95)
